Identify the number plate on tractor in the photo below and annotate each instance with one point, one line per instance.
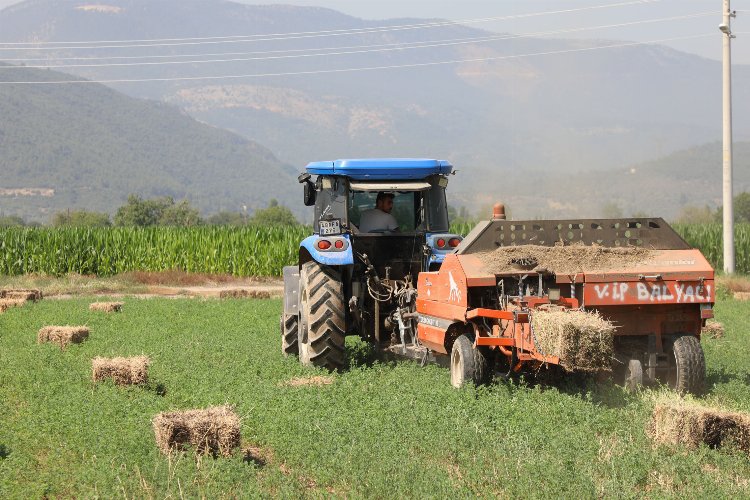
(330, 227)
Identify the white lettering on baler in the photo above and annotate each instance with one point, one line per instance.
(654, 292)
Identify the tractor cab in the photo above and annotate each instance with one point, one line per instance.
(345, 189)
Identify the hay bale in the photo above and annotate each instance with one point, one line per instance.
(713, 329)
(122, 371)
(243, 293)
(31, 295)
(680, 422)
(62, 335)
(106, 306)
(214, 430)
(6, 304)
(584, 341)
(742, 295)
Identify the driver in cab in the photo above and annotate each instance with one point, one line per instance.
(379, 219)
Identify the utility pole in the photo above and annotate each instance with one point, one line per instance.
(728, 215)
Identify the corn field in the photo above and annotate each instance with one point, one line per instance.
(246, 251)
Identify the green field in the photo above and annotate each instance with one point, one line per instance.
(380, 430)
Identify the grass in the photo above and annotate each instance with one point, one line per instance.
(378, 430)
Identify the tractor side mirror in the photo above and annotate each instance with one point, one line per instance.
(309, 194)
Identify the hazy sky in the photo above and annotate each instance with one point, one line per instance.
(708, 46)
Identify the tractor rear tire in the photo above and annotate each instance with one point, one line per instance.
(322, 325)
(469, 364)
(289, 346)
(689, 374)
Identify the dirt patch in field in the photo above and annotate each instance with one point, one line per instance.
(62, 335)
(569, 259)
(316, 381)
(106, 306)
(214, 430)
(122, 371)
(584, 341)
(742, 295)
(679, 422)
(179, 278)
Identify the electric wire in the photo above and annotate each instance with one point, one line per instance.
(351, 70)
(364, 48)
(170, 42)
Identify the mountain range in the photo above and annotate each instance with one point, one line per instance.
(521, 117)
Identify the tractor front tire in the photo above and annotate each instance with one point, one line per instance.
(322, 324)
(289, 335)
(469, 364)
(689, 372)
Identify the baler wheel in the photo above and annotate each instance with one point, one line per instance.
(469, 364)
(289, 335)
(634, 375)
(689, 374)
(322, 325)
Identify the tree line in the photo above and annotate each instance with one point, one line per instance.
(162, 211)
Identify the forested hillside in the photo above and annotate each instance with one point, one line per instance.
(88, 146)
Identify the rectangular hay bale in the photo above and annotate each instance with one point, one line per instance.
(8, 303)
(674, 423)
(122, 371)
(106, 306)
(62, 335)
(584, 341)
(214, 430)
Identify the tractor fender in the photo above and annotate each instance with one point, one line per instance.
(332, 257)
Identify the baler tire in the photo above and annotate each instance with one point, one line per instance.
(289, 345)
(323, 326)
(690, 365)
(468, 364)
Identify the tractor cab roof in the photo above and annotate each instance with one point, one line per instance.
(381, 168)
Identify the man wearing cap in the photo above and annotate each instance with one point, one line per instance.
(379, 219)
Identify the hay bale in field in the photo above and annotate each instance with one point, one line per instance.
(713, 329)
(122, 371)
(6, 304)
(681, 422)
(62, 335)
(742, 295)
(214, 430)
(243, 293)
(582, 340)
(32, 294)
(106, 306)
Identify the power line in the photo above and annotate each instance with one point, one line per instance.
(351, 70)
(290, 36)
(363, 49)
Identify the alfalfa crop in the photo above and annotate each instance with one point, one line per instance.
(676, 421)
(584, 341)
(122, 371)
(214, 430)
(106, 306)
(62, 335)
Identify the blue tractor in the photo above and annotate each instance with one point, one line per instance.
(354, 277)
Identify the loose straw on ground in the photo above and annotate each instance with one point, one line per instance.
(122, 371)
(62, 335)
(583, 341)
(214, 430)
